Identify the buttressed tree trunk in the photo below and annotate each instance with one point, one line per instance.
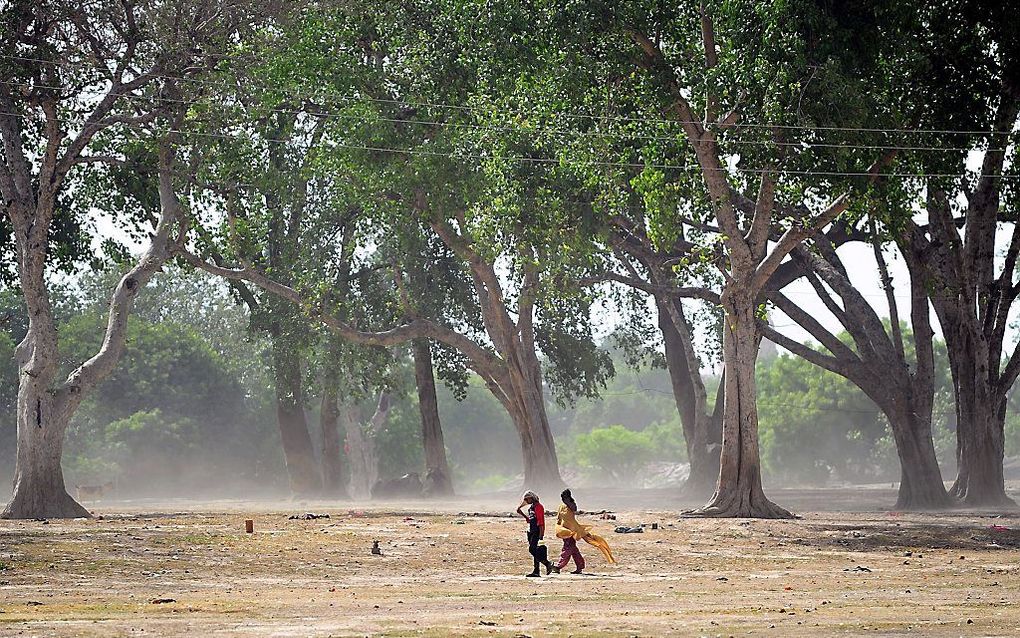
(751, 259)
(438, 481)
(973, 294)
(739, 491)
(332, 454)
(302, 467)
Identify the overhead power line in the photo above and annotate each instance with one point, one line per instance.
(462, 107)
(603, 135)
(544, 160)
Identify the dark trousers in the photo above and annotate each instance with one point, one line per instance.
(539, 552)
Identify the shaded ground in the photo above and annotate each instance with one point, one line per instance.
(457, 570)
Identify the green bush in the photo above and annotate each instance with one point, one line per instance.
(614, 451)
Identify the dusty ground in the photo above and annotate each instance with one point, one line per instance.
(448, 573)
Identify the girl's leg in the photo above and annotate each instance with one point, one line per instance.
(578, 559)
(569, 546)
(533, 550)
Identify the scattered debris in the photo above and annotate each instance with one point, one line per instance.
(34, 603)
(487, 623)
(249, 526)
(859, 568)
(375, 548)
(307, 516)
(623, 529)
(161, 601)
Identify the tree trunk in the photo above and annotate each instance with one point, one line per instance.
(39, 490)
(980, 448)
(541, 465)
(361, 453)
(921, 486)
(739, 492)
(701, 430)
(302, 468)
(438, 481)
(332, 463)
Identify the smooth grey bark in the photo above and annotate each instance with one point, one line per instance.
(739, 491)
(438, 481)
(361, 452)
(45, 406)
(752, 256)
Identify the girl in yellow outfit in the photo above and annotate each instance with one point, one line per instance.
(571, 531)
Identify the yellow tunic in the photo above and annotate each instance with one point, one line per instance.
(568, 527)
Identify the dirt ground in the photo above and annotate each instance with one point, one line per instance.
(456, 569)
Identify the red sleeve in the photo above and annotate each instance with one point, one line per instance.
(539, 515)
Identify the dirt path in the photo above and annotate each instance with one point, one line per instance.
(454, 575)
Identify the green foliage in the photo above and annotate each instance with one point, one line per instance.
(187, 406)
(814, 425)
(615, 451)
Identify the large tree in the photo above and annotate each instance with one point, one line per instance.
(722, 117)
(964, 94)
(77, 77)
(402, 170)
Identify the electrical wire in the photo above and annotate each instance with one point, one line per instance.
(552, 161)
(602, 135)
(461, 107)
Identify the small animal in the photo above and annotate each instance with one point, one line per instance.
(93, 492)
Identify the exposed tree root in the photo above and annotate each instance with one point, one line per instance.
(991, 499)
(60, 506)
(743, 505)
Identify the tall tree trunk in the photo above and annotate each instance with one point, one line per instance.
(332, 463)
(361, 453)
(702, 432)
(981, 420)
(921, 486)
(541, 465)
(302, 468)
(39, 490)
(438, 481)
(739, 492)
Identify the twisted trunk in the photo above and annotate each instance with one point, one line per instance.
(980, 427)
(739, 492)
(302, 468)
(438, 481)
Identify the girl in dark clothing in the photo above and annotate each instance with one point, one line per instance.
(535, 516)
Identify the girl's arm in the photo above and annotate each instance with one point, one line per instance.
(520, 512)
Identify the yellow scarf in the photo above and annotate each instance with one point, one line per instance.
(568, 527)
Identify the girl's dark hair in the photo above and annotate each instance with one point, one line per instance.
(568, 500)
